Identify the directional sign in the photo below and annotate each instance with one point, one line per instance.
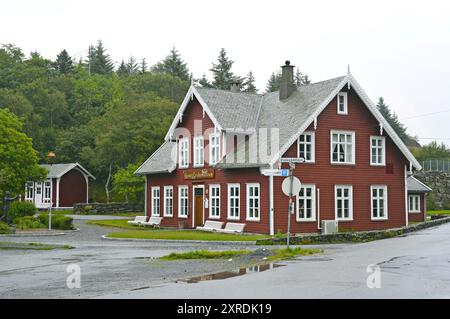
(286, 185)
(275, 172)
(292, 160)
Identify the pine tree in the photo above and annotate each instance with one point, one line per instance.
(249, 83)
(204, 82)
(173, 65)
(222, 74)
(63, 63)
(99, 62)
(122, 70)
(274, 82)
(143, 66)
(300, 78)
(132, 66)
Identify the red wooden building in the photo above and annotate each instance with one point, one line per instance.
(212, 163)
(66, 184)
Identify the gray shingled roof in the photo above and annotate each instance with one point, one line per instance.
(57, 170)
(163, 160)
(415, 186)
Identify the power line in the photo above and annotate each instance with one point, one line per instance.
(426, 114)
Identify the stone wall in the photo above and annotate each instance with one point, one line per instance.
(106, 209)
(439, 198)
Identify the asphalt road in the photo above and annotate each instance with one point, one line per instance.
(414, 266)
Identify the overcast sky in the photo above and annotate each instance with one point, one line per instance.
(396, 49)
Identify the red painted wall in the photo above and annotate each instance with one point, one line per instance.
(321, 173)
(418, 217)
(72, 188)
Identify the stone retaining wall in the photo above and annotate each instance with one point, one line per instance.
(107, 209)
(352, 237)
(439, 198)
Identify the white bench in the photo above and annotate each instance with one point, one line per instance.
(233, 228)
(153, 221)
(138, 220)
(211, 225)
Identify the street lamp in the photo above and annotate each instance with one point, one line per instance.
(50, 158)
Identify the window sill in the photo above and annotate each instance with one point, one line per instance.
(168, 216)
(184, 217)
(306, 220)
(198, 166)
(233, 218)
(377, 165)
(214, 217)
(344, 220)
(379, 219)
(342, 164)
(253, 219)
(415, 212)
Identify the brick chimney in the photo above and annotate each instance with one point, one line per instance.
(287, 85)
(235, 87)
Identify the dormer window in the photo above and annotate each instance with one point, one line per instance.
(342, 103)
(183, 153)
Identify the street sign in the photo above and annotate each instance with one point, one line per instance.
(292, 160)
(275, 172)
(286, 185)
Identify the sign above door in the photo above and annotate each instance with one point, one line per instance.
(204, 173)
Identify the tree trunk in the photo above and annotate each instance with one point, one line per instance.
(107, 183)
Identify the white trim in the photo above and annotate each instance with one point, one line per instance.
(385, 200)
(145, 196)
(247, 195)
(349, 80)
(201, 151)
(353, 134)
(350, 204)
(417, 209)
(406, 196)
(180, 187)
(313, 204)
(193, 204)
(312, 143)
(212, 160)
(271, 214)
(211, 200)
(430, 189)
(239, 201)
(154, 188)
(345, 111)
(189, 96)
(383, 150)
(165, 197)
(58, 180)
(181, 153)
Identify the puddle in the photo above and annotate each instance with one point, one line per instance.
(235, 273)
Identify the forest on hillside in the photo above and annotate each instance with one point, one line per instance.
(110, 116)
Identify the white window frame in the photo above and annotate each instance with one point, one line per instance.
(156, 199)
(29, 188)
(234, 197)
(214, 146)
(313, 203)
(256, 209)
(47, 192)
(353, 137)
(183, 151)
(414, 209)
(345, 110)
(377, 149)
(199, 155)
(168, 198)
(212, 199)
(305, 144)
(182, 198)
(377, 198)
(350, 204)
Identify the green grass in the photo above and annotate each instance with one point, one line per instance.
(59, 212)
(438, 212)
(183, 235)
(288, 253)
(115, 223)
(205, 254)
(31, 246)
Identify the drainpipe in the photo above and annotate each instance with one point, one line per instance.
(318, 209)
(271, 211)
(406, 196)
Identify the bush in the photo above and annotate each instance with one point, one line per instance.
(20, 209)
(4, 228)
(58, 221)
(27, 222)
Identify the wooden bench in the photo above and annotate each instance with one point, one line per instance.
(154, 221)
(138, 220)
(233, 228)
(211, 225)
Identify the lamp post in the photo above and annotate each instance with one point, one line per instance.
(50, 157)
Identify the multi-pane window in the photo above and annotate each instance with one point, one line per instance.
(342, 103)
(214, 201)
(47, 192)
(198, 151)
(306, 146)
(168, 201)
(306, 208)
(184, 152)
(29, 191)
(379, 202)
(414, 203)
(156, 203)
(377, 150)
(214, 148)
(183, 201)
(342, 147)
(253, 201)
(343, 195)
(233, 201)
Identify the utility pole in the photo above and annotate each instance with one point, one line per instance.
(291, 179)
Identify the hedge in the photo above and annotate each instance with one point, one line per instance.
(27, 222)
(20, 209)
(58, 221)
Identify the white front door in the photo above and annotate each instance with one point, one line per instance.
(38, 195)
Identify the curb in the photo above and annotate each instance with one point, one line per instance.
(183, 241)
(40, 234)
